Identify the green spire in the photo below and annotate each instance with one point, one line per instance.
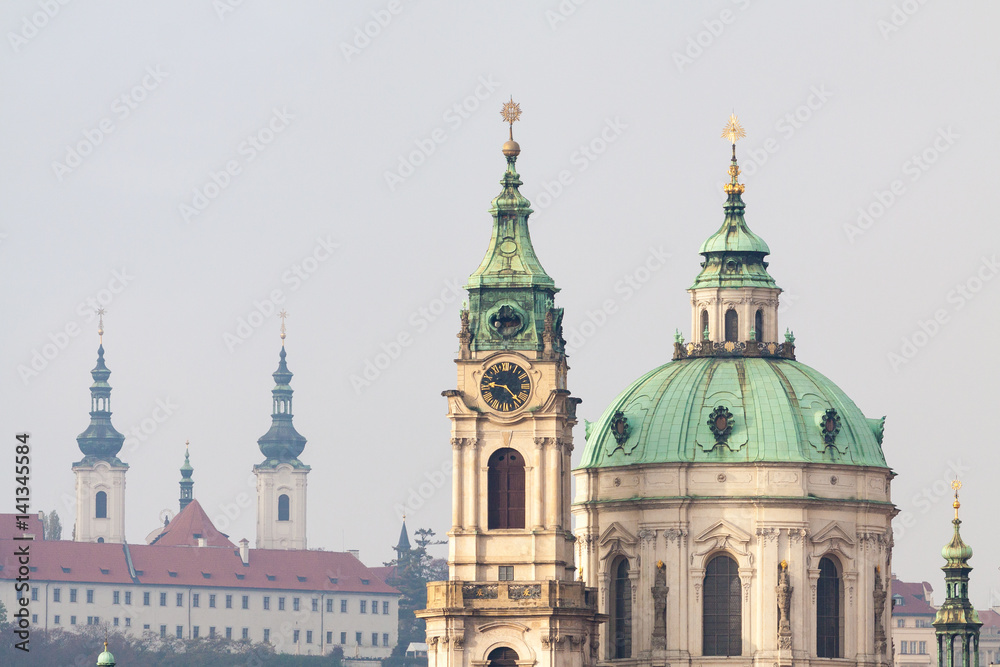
(187, 484)
(101, 440)
(734, 255)
(510, 293)
(956, 623)
(404, 540)
(282, 443)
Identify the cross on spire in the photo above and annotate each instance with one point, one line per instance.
(282, 315)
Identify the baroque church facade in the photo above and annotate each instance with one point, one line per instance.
(731, 507)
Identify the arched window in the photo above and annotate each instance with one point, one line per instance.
(505, 482)
(828, 610)
(283, 507)
(502, 657)
(100, 540)
(101, 505)
(722, 621)
(732, 326)
(703, 334)
(621, 611)
(758, 326)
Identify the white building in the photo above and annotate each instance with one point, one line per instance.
(304, 602)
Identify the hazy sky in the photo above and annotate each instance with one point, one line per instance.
(187, 163)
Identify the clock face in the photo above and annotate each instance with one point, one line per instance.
(505, 386)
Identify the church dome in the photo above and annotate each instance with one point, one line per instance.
(733, 409)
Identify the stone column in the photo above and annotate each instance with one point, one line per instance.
(456, 484)
(552, 469)
(537, 519)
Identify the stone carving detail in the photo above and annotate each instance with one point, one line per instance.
(620, 428)
(829, 426)
(646, 536)
(679, 534)
(797, 535)
(464, 337)
(767, 535)
(433, 641)
(479, 591)
(524, 591)
(459, 642)
(660, 590)
(549, 337)
(784, 592)
(720, 422)
(873, 541)
(879, 598)
(595, 645)
(697, 592)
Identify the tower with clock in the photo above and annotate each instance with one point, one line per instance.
(512, 595)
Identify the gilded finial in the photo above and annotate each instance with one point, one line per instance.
(580, 574)
(956, 485)
(282, 315)
(784, 564)
(511, 112)
(100, 323)
(660, 565)
(733, 131)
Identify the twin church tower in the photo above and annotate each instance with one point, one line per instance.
(281, 476)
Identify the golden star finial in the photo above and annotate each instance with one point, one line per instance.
(100, 323)
(733, 130)
(282, 315)
(511, 112)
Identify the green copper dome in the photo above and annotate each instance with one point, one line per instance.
(956, 552)
(106, 659)
(761, 410)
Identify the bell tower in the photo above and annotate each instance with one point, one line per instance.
(100, 475)
(511, 594)
(281, 477)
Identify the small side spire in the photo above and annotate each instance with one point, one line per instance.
(403, 546)
(956, 623)
(186, 483)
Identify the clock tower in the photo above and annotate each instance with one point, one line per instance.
(512, 595)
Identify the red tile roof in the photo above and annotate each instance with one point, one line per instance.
(185, 529)
(914, 602)
(88, 562)
(384, 572)
(9, 529)
(990, 619)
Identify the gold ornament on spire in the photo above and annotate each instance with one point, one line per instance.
(282, 315)
(733, 131)
(511, 112)
(100, 323)
(956, 485)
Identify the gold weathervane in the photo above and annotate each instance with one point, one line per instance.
(100, 323)
(282, 315)
(733, 131)
(511, 112)
(956, 485)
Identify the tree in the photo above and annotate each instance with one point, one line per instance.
(52, 525)
(412, 569)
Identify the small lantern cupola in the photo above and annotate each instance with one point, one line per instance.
(734, 298)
